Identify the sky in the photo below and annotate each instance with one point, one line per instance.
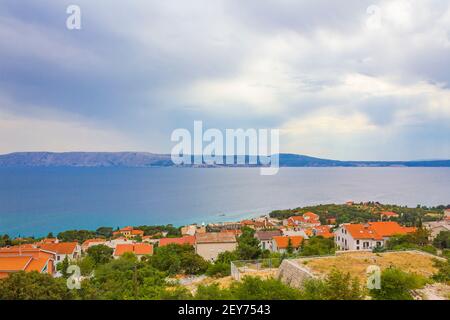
(364, 80)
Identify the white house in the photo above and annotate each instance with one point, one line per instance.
(367, 236)
(265, 238)
(71, 250)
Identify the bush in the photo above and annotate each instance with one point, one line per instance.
(397, 285)
(176, 258)
(443, 274)
(33, 286)
(442, 240)
(336, 286)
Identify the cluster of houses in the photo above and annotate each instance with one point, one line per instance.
(273, 235)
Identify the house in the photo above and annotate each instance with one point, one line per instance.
(192, 229)
(386, 215)
(367, 236)
(128, 232)
(92, 242)
(331, 220)
(308, 219)
(150, 239)
(349, 203)
(436, 227)
(265, 238)
(236, 232)
(18, 259)
(447, 214)
(121, 240)
(209, 245)
(257, 224)
(323, 231)
(49, 240)
(139, 249)
(281, 243)
(71, 250)
(305, 233)
(190, 240)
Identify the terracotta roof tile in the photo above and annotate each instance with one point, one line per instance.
(283, 241)
(182, 240)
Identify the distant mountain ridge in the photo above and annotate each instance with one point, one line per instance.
(146, 159)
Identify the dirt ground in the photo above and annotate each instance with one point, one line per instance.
(357, 262)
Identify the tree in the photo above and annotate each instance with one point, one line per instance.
(105, 232)
(50, 235)
(255, 288)
(317, 246)
(397, 285)
(100, 254)
(175, 258)
(442, 240)
(443, 274)
(336, 286)
(222, 265)
(33, 286)
(289, 248)
(248, 246)
(62, 267)
(76, 235)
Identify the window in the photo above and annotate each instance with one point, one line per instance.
(357, 248)
(357, 241)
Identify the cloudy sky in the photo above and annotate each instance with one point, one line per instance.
(366, 81)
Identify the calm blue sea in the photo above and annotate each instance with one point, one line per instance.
(35, 201)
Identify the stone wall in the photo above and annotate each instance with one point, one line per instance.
(293, 274)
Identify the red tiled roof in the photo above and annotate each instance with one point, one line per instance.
(136, 248)
(182, 240)
(376, 230)
(15, 263)
(283, 241)
(60, 248)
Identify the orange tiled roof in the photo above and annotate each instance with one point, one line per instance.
(14, 263)
(283, 241)
(377, 230)
(136, 248)
(16, 251)
(310, 216)
(89, 241)
(182, 240)
(60, 248)
(389, 214)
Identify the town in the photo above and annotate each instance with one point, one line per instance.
(293, 242)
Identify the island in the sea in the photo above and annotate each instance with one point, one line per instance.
(146, 159)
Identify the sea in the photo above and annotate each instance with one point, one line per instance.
(36, 201)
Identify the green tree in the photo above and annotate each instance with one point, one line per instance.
(100, 254)
(104, 232)
(76, 235)
(316, 246)
(33, 286)
(336, 286)
(62, 267)
(397, 285)
(255, 288)
(248, 246)
(175, 258)
(443, 274)
(442, 240)
(289, 248)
